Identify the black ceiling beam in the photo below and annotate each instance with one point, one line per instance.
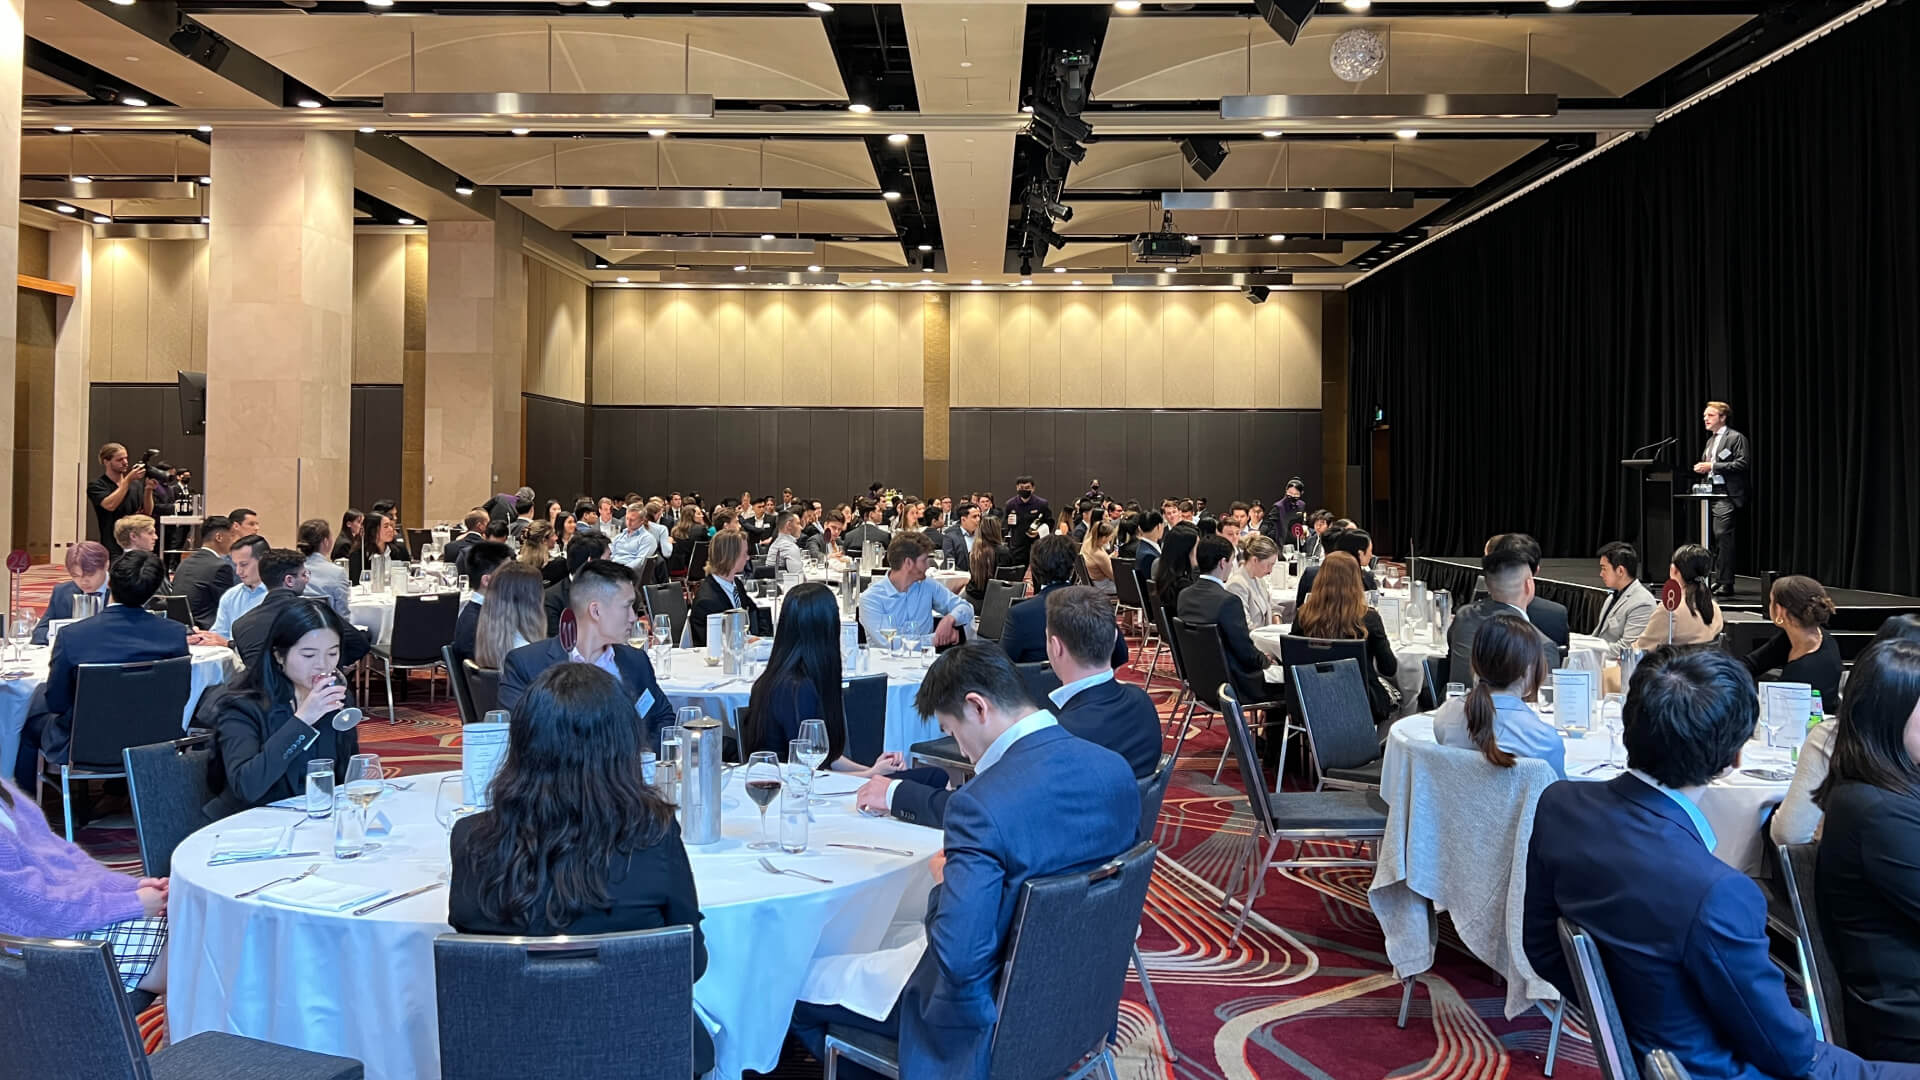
(1050, 28)
(1775, 26)
(166, 24)
(869, 43)
(1093, 198)
(1459, 9)
(100, 87)
(501, 8)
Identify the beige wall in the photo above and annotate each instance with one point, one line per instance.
(739, 347)
(149, 310)
(556, 333)
(1135, 350)
(379, 307)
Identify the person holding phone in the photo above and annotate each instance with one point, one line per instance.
(284, 712)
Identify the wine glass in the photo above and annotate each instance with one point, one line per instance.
(1613, 718)
(888, 631)
(813, 747)
(450, 802)
(763, 786)
(20, 633)
(366, 781)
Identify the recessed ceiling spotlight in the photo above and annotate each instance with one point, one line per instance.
(1278, 238)
(1126, 7)
(206, 180)
(741, 269)
(966, 63)
(366, 131)
(124, 3)
(1026, 281)
(1557, 5)
(890, 196)
(461, 187)
(925, 247)
(102, 219)
(766, 236)
(600, 264)
(1407, 133)
(405, 221)
(1192, 239)
(206, 221)
(813, 268)
(1059, 269)
(820, 6)
(1078, 283)
(874, 281)
(658, 133)
(308, 103)
(82, 179)
(63, 128)
(976, 281)
(897, 139)
(926, 281)
(379, 3)
(1269, 134)
(135, 102)
(65, 209)
(1026, 108)
(523, 131)
(623, 279)
(1356, 5)
(599, 3)
(859, 107)
(204, 128)
(1171, 270)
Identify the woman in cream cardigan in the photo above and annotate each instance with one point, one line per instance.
(1258, 555)
(1697, 620)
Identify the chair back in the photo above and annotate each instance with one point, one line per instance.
(483, 689)
(863, 701)
(1153, 789)
(1610, 1049)
(177, 609)
(572, 1003)
(1331, 700)
(697, 563)
(120, 705)
(457, 678)
(167, 785)
(418, 541)
(1081, 576)
(1797, 863)
(1040, 681)
(669, 601)
(1011, 573)
(423, 624)
(1253, 776)
(1068, 949)
(1165, 622)
(1434, 668)
(1297, 650)
(1662, 1065)
(1126, 583)
(67, 1015)
(994, 608)
(1201, 658)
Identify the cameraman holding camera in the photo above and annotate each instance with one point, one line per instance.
(122, 490)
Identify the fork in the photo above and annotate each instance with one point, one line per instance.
(767, 865)
(302, 876)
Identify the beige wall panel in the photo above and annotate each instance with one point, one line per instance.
(1145, 351)
(202, 261)
(629, 347)
(1043, 350)
(850, 369)
(169, 309)
(1016, 321)
(764, 328)
(531, 374)
(127, 327)
(565, 369)
(1267, 331)
(100, 311)
(1186, 334)
(600, 349)
(1112, 354)
(697, 315)
(1234, 384)
(379, 307)
(730, 339)
(1299, 352)
(889, 351)
(910, 362)
(974, 373)
(1082, 349)
(807, 344)
(661, 325)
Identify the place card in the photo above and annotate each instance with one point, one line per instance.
(1574, 693)
(1785, 706)
(1390, 615)
(483, 748)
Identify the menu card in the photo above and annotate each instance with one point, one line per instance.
(483, 748)
(1574, 693)
(716, 635)
(1786, 706)
(1390, 615)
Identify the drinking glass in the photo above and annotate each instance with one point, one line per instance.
(365, 782)
(666, 772)
(20, 633)
(319, 787)
(1456, 690)
(797, 785)
(366, 580)
(349, 830)
(812, 747)
(1613, 718)
(763, 786)
(888, 631)
(449, 803)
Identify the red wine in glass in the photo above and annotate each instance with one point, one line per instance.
(762, 792)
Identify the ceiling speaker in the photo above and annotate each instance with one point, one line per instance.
(1203, 155)
(1286, 16)
(1257, 294)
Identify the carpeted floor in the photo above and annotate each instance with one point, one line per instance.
(1306, 991)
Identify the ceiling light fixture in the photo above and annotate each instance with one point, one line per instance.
(124, 3)
(623, 279)
(813, 268)
(1278, 238)
(1026, 108)
(1126, 7)
(976, 281)
(925, 247)
(65, 209)
(1356, 5)
(1561, 5)
(897, 139)
(820, 6)
(379, 3)
(859, 107)
(741, 269)
(102, 219)
(308, 103)
(599, 3)
(656, 199)
(1059, 269)
(1169, 269)
(766, 236)
(1269, 134)
(728, 244)
(1407, 133)
(658, 133)
(1079, 282)
(1286, 199)
(135, 102)
(890, 196)
(523, 131)
(366, 131)
(206, 221)
(874, 281)
(600, 264)
(204, 128)
(405, 221)
(462, 187)
(63, 128)
(206, 180)
(82, 179)
(549, 105)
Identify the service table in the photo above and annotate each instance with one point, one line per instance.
(362, 986)
(212, 665)
(692, 682)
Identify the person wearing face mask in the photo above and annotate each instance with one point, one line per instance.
(601, 599)
(279, 714)
(1025, 513)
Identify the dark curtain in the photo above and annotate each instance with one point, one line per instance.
(1759, 248)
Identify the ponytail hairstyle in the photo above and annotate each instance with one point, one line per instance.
(1695, 565)
(1506, 652)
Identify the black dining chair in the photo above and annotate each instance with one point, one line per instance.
(1011, 573)
(116, 706)
(423, 624)
(1594, 997)
(483, 685)
(1818, 977)
(167, 787)
(1202, 659)
(863, 702)
(668, 602)
(994, 608)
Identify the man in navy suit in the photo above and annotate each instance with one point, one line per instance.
(1683, 935)
(1001, 829)
(601, 600)
(483, 559)
(1025, 634)
(87, 569)
(124, 632)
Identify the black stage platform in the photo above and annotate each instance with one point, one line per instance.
(1576, 583)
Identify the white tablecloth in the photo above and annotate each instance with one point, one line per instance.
(692, 682)
(364, 988)
(212, 664)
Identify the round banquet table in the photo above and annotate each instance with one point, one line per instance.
(212, 664)
(692, 682)
(1735, 804)
(363, 987)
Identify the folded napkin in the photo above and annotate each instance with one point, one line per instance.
(320, 894)
(266, 841)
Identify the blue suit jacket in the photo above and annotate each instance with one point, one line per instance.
(524, 664)
(118, 635)
(1025, 635)
(1682, 934)
(59, 606)
(1003, 828)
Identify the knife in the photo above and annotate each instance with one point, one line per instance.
(227, 860)
(870, 847)
(429, 887)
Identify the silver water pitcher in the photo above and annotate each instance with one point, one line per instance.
(377, 580)
(733, 642)
(700, 781)
(85, 605)
(849, 591)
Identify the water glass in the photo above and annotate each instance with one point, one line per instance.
(1613, 718)
(449, 803)
(319, 787)
(796, 786)
(1456, 690)
(649, 766)
(349, 832)
(1544, 697)
(666, 771)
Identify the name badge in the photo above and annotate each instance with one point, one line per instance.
(645, 704)
(1724, 454)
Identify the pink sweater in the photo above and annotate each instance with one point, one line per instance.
(50, 888)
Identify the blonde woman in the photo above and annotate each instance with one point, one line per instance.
(1258, 556)
(514, 614)
(1094, 550)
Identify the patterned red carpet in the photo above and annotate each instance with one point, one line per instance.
(1305, 992)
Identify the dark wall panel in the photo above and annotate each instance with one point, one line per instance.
(1136, 453)
(378, 415)
(556, 454)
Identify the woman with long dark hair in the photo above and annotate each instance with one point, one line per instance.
(1698, 621)
(802, 682)
(989, 551)
(1174, 570)
(1868, 883)
(1341, 613)
(278, 715)
(1494, 718)
(574, 840)
(348, 538)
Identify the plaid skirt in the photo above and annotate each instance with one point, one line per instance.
(137, 944)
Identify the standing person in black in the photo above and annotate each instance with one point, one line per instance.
(1025, 513)
(1208, 600)
(1724, 463)
(1802, 650)
(1868, 878)
(279, 714)
(575, 841)
(206, 573)
(120, 490)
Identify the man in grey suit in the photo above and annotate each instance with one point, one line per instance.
(1724, 465)
(1509, 589)
(1628, 610)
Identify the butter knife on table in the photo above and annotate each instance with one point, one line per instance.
(228, 860)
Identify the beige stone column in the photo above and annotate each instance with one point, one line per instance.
(936, 394)
(12, 41)
(70, 259)
(461, 378)
(280, 326)
(509, 347)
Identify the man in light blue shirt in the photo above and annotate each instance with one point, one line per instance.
(246, 594)
(636, 544)
(907, 602)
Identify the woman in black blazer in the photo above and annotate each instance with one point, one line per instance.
(575, 842)
(1802, 650)
(278, 715)
(1868, 878)
(724, 588)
